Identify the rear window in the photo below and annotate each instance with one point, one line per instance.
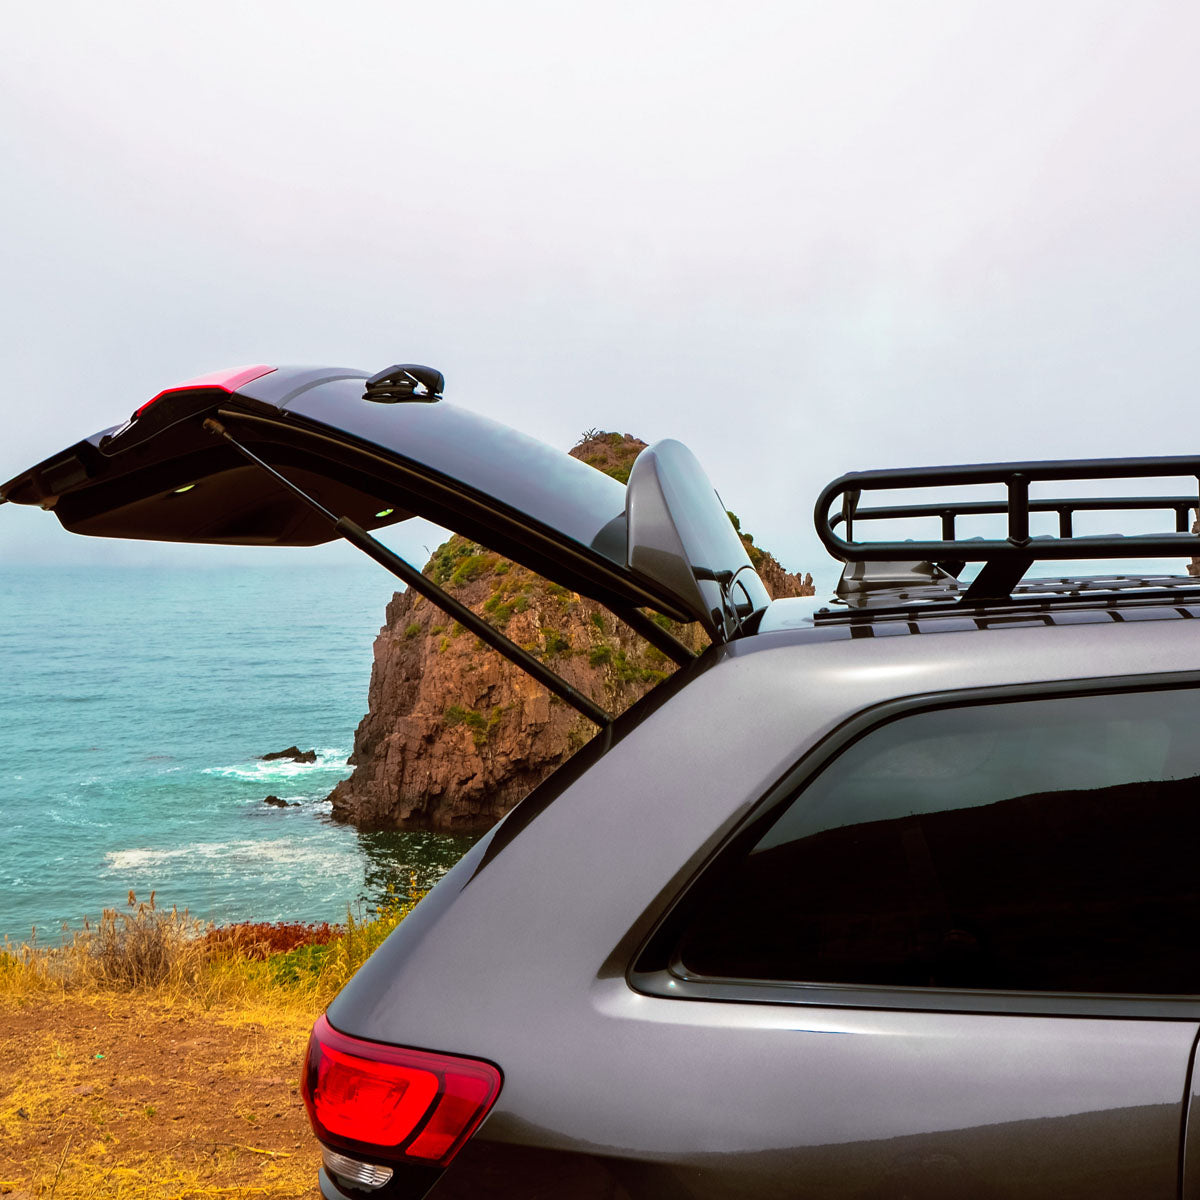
(1038, 845)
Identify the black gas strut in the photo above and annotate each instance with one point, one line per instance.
(373, 548)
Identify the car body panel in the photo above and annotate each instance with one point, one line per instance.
(526, 964)
(724, 1101)
(1189, 1173)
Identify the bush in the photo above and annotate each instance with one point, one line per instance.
(455, 714)
(447, 556)
(359, 941)
(147, 947)
(260, 939)
(628, 671)
(498, 610)
(472, 567)
(480, 726)
(554, 643)
(300, 964)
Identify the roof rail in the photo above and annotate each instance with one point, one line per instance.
(1006, 561)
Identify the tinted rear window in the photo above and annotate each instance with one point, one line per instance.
(1042, 845)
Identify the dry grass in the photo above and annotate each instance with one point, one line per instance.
(153, 1057)
(177, 956)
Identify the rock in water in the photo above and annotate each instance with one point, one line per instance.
(292, 752)
(275, 802)
(455, 735)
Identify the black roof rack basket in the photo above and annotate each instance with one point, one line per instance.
(1006, 560)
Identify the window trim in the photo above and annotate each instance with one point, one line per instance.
(655, 970)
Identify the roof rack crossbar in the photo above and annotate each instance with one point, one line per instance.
(846, 493)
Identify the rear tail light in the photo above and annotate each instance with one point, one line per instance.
(228, 380)
(393, 1103)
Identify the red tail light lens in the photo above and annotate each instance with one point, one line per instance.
(392, 1102)
(228, 380)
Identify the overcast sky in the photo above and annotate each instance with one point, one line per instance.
(803, 238)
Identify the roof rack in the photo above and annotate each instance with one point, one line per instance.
(1005, 561)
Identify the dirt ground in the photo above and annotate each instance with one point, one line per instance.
(143, 1099)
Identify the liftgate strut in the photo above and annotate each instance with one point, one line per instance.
(357, 536)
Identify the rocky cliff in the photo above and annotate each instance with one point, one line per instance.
(454, 735)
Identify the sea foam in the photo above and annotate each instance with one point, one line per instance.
(223, 858)
(331, 759)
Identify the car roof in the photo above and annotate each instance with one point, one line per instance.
(813, 619)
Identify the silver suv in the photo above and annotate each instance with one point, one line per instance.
(893, 898)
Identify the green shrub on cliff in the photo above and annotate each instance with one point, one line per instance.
(481, 727)
(455, 714)
(554, 643)
(445, 558)
(471, 567)
(498, 610)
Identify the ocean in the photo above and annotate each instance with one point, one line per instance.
(137, 705)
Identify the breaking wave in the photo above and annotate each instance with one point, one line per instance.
(330, 759)
(241, 857)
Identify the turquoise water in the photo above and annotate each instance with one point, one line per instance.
(136, 705)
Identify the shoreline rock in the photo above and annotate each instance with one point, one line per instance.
(292, 752)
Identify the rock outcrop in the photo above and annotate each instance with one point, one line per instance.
(455, 735)
(293, 754)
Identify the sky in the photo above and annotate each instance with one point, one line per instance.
(803, 238)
